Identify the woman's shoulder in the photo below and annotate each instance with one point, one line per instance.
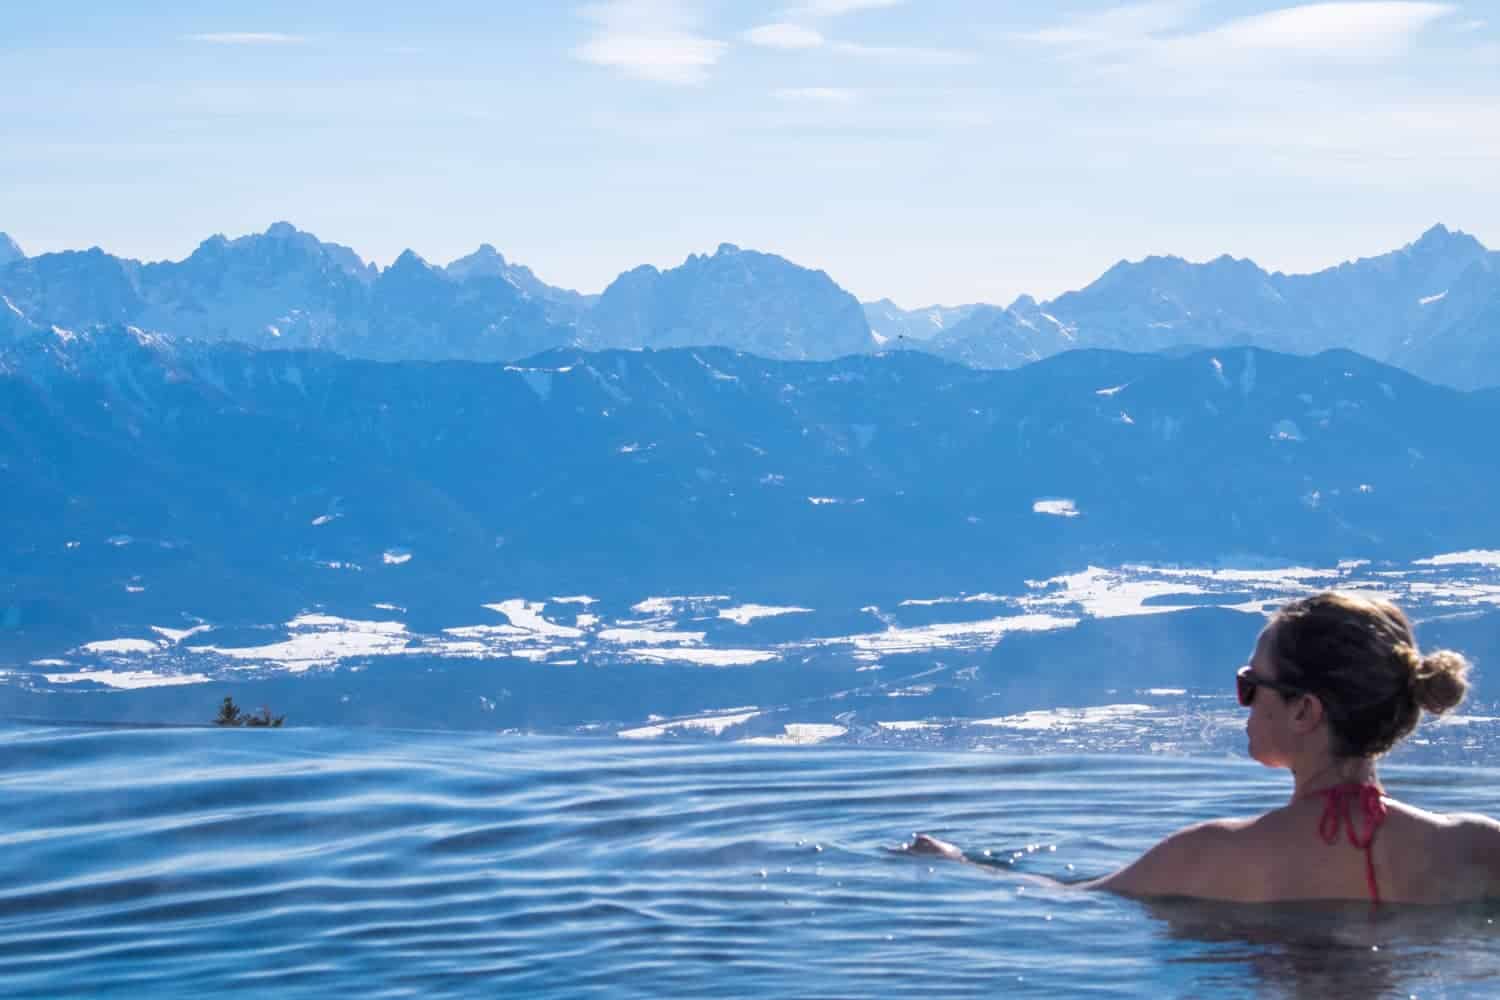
(1452, 828)
(1449, 848)
(1191, 862)
(1472, 833)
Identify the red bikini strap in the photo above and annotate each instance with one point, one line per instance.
(1336, 814)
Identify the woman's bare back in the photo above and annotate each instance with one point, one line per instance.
(1418, 857)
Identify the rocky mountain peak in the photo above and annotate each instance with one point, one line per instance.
(749, 301)
(10, 251)
(485, 262)
(1442, 240)
(284, 242)
(410, 260)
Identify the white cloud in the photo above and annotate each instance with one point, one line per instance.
(1119, 26)
(833, 8)
(650, 40)
(630, 16)
(666, 59)
(905, 54)
(1344, 30)
(247, 38)
(1377, 28)
(787, 35)
(784, 35)
(818, 95)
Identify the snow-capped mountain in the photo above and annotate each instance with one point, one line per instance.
(1387, 307)
(563, 305)
(733, 298)
(281, 287)
(286, 288)
(1457, 338)
(10, 251)
(1429, 306)
(891, 324)
(991, 337)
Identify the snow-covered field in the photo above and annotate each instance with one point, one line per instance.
(719, 630)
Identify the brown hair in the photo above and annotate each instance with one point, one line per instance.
(1358, 655)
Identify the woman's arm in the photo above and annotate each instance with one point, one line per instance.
(1194, 861)
(925, 844)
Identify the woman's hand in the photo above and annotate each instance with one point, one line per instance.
(922, 843)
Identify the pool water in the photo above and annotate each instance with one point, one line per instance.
(334, 862)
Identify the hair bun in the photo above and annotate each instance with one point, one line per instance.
(1441, 681)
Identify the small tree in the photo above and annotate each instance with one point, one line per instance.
(265, 719)
(230, 715)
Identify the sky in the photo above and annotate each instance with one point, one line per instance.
(930, 151)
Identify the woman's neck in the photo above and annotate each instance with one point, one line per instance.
(1316, 776)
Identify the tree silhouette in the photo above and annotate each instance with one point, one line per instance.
(230, 715)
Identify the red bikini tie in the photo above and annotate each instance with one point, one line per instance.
(1336, 814)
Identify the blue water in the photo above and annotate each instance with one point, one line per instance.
(323, 862)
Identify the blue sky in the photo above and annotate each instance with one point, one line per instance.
(937, 151)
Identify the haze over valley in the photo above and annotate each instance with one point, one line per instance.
(866, 541)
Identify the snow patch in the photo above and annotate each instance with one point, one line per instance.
(1056, 508)
(746, 613)
(946, 635)
(649, 636)
(323, 640)
(1471, 557)
(127, 680)
(527, 615)
(927, 602)
(702, 656)
(667, 605)
(714, 724)
(799, 734)
(1066, 718)
(176, 635)
(121, 647)
(1103, 593)
(1247, 376)
(1286, 430)
(539, 380)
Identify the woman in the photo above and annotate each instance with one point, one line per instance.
(1336, 681)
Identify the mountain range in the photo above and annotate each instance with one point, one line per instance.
(1431, 307)
(139, 466)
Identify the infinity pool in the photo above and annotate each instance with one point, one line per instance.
(328, 862)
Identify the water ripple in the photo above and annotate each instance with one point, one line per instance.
(326, 862)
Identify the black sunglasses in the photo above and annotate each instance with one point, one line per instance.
(1246, 683)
